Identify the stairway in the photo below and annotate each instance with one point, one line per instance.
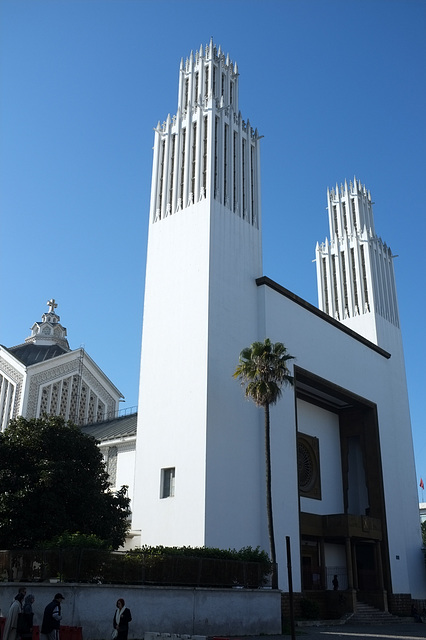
(366, 614)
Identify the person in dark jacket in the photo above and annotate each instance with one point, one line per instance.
(121, 620)
(52, 618)
(27, 618)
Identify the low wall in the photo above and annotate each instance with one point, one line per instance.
(174, 610)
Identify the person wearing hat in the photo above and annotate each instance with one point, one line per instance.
(52, 618)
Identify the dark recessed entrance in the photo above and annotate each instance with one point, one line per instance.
(357, 534)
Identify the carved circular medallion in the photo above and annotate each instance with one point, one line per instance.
(306, 467)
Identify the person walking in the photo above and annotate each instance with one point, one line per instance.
(121, 620)
(10, 631)
(21, 590)
(52, 619)
(27, 618)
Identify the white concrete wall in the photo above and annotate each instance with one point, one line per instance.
(335, 555)
(365, 325)
(323, 425)
(172, 398)
(200, 311)
(235, 487)
(337, 357)
(126, 468)
(171, 610)
(399, 474)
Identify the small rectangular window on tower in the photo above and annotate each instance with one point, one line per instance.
(167, 489)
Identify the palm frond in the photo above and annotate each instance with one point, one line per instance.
(263, 371)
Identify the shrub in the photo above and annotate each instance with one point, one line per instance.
(309, 609)
(76, 541)
(202, 565)
(246, 554)
(85, 558)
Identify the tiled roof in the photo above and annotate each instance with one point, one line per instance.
(123, 427)
(29, 353)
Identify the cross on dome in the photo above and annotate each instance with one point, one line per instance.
(49, 331)
(52, 305)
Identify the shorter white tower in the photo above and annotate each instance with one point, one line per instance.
(356, 280)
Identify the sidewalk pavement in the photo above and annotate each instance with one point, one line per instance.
(397, 631)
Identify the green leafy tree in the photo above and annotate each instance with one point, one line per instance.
(263, 371)
(53, 480)
(423, 525)
(68, 540)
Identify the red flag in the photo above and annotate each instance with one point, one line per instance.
(422, 484)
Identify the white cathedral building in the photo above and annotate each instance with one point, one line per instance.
(44, 376)
(343, 474)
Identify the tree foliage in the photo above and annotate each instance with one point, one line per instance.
(246, 554)
(263, 371)
(53, 480)
(77, 540)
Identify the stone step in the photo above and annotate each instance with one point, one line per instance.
(366, 614)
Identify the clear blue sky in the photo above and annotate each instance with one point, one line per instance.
(337, 88)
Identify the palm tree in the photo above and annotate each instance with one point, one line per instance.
(263, 371)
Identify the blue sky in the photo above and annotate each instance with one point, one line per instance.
(337, 88)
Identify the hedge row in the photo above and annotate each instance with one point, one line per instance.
(184, 566)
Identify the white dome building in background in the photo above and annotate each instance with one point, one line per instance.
(44, 376)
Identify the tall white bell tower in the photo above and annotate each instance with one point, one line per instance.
(204, 254)
(355, 274)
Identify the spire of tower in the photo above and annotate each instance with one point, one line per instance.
(209, 49)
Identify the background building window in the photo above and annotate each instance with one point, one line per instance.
(112, 465)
